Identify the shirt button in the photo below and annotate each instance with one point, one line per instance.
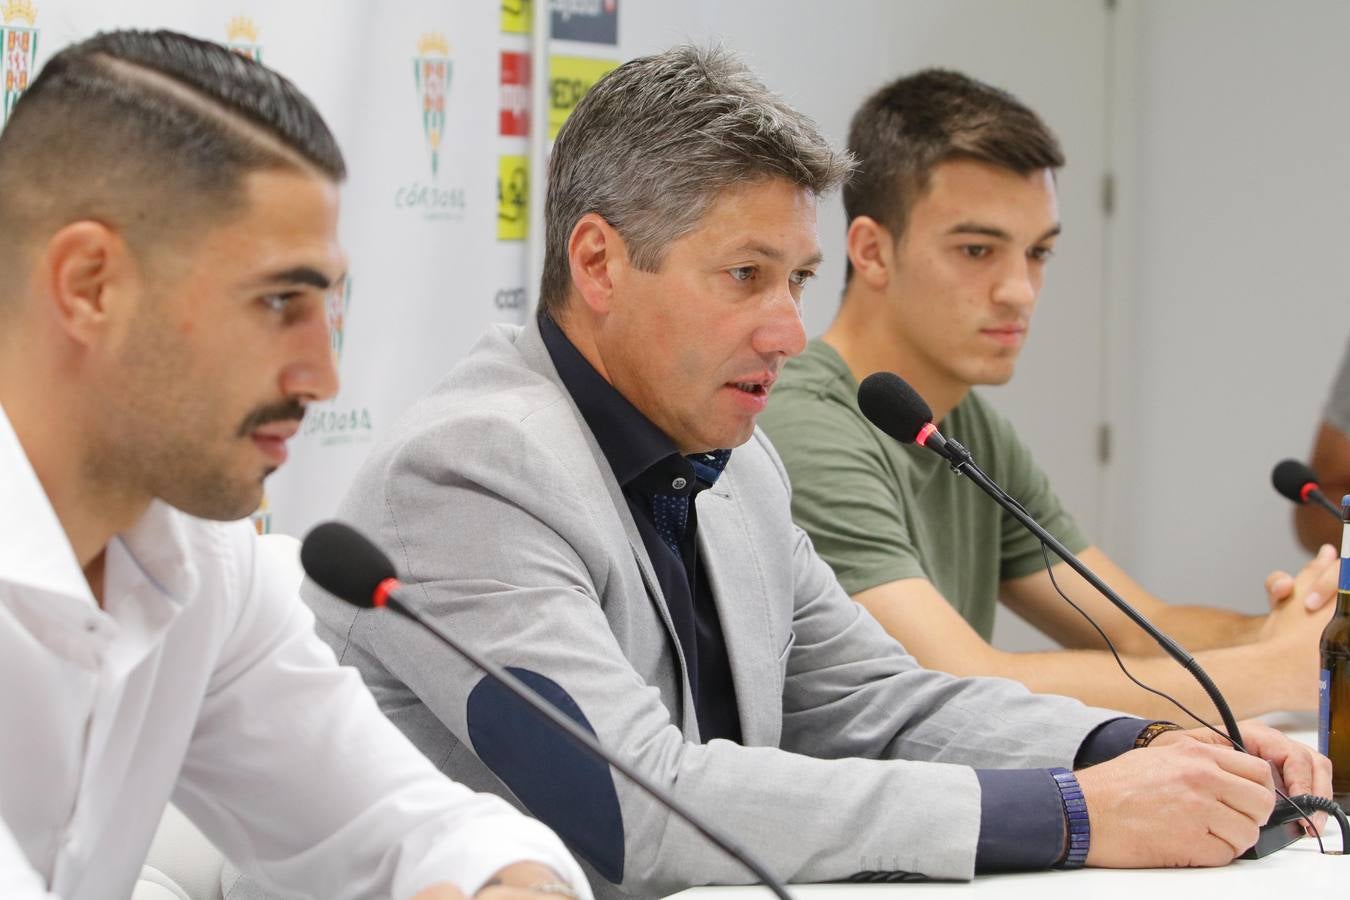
(91, 626)
(678, 484)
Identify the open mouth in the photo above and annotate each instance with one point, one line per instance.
(751, 387)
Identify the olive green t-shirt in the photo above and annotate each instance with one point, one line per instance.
(879, 511)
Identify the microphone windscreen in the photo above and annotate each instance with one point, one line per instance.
(889, 403)
(1289, 476)
(344, 562)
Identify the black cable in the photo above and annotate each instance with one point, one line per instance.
(1320, 803)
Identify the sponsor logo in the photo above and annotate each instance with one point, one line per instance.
(595, 21)
(515, 94)
(241, 36)
(432, 71)
(513, 198)
(517, 16)
(509, 299)
(569, 78)
(262, 517)
(18, 51)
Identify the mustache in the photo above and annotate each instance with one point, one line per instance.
(288, 409)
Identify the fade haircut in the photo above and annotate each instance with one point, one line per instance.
(914, 124)
(652, 145)
(150, 133)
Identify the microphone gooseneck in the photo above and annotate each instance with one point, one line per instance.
(348, 565)
(892, 407)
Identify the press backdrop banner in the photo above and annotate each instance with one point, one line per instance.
(430, 102)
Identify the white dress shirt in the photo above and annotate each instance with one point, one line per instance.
(202, 681)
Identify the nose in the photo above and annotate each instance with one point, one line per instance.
(312, 373)
(1019, 284)
(782, 333)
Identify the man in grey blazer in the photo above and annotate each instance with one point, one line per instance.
(566, 501)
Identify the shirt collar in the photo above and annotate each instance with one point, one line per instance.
(641, 455)
(35, 551)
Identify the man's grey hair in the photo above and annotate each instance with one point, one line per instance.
(656, 141)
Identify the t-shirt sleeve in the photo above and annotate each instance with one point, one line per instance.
(1337, 412)
(845, 492)
(1021, 477)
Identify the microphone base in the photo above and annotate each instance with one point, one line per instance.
(1273, 838)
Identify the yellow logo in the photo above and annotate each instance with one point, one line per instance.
(517, 16)
(241, 34)
(513, 198)
(431, 70)
(569, 78)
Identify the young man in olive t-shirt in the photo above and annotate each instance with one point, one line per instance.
(952, 219)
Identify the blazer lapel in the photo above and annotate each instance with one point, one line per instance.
(729, 552)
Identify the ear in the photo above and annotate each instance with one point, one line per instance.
(595, 252)
(871, 250)
(84, 275)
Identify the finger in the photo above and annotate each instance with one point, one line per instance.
(1247, 767)
(1279, 585)
(1297, 770)
(1237, 830)
(1313, 601)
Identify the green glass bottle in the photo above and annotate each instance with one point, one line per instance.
(1333, 728)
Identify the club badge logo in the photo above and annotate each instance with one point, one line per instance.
(432, 69)
(18, 50)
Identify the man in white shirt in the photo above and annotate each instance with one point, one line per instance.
(169, 219)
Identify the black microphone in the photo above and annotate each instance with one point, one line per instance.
(893, 406)
(1295, 481)
(345, 563)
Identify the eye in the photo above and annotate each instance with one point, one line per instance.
(976, 251)
(742, 273)
(1041, 254)
(280, 303)
(800, 277)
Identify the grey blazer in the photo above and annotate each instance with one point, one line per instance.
(494, 499)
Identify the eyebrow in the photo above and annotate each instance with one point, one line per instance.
(999, 233)
(300, 275)
(775, 254)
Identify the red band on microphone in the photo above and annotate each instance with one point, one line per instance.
(924, 434)
(1307, 489)
(383, 590)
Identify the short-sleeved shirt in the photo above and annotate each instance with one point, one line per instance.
(879, 511)
(1338, 404)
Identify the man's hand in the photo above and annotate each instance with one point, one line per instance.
(1312, 589)
(1185, 803)
(1304, 770)
(1191, 800)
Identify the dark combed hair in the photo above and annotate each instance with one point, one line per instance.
(144, 129)
(910, 126)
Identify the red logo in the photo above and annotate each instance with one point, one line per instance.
(515, 91)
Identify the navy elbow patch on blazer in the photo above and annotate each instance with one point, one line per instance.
(562, 785)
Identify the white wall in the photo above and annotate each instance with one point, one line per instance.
(1240, 303)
